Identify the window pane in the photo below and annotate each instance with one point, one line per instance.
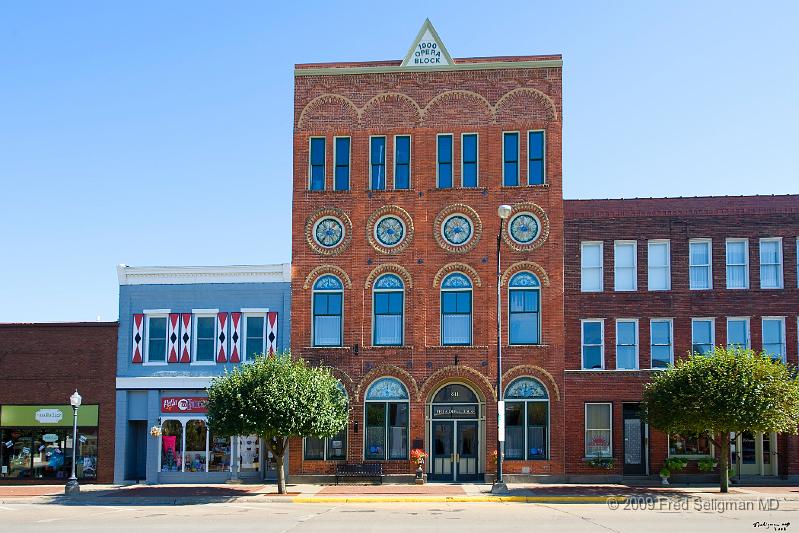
(449, 302)
(591, 279)
(591, 255)
(661, 333)
(402, 171)
(456, 329)
(219, 460)
(514, 430)
(388, 329)
(375, 431)
(535, 148)
(156, 350)
(398, 430)
(337, 446)
(469, 153)
(702, 336)
(317, 158)
(536, 430)
(625, 267)
(314, 448)
(524, 328)
(196, 434)
(699, 253)
(342, 164)
(592, 332)
(625, 333)
(254, 343)
(773, 343)
(736, 334)
(327, 331)
(378, 162)
(597, 430)
(464, 301)
(511, 159)
(171, 446)
(444, 161)
(206, 339)
(592, 357)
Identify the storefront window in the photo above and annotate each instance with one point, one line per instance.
(171, 446)
(526, 419)
(196, 446)
(249, 453)
(679, 445)
(47, 453)
(386, 420)
(219, 461)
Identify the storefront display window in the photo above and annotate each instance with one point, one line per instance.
(219, 460)
(679, 445)
(171, 446)
(196, 446)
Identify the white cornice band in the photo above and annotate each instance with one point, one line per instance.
(184, 275)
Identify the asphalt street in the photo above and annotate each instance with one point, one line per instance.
(395, 517)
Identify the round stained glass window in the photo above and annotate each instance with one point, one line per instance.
(524, 228)
(457, 230)
(389, 231)
(328, 232)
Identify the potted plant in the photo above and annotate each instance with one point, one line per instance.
(664, 475)
(606, 463)
(707, 464)
(418, 457)
(672, 464)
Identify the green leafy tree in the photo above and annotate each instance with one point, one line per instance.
(277, 398)
(721, 395)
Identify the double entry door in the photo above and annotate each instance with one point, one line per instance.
(758, 454)
(455, 451)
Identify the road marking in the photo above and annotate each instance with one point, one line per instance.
(7, 508)
(47, 520)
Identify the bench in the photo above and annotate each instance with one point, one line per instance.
(373, 471)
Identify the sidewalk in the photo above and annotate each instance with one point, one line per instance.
(432, 492)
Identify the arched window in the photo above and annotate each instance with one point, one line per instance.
(526, 420)
(387, 419)
(456, 309)
(524, 304)
(387, 310)
(328, 448)
(328, 295)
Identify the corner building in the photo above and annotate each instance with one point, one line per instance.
(399, 168)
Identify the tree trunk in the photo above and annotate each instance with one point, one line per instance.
(724, 469)
(278, 445)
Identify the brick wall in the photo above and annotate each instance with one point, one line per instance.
(45, 363)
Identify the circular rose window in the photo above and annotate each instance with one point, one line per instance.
(389, 231)
(457, 230)
(328, 232)
(524, 228)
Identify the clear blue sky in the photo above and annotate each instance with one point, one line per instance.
(159, 133)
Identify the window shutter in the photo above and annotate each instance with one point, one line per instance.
(173, 336)
(221, 339)
(271, 333)
(138, 338)
(185, 338)
(235, 337)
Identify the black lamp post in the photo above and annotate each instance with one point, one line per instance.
(499, 485)
(73, 487)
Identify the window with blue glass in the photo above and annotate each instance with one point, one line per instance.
(444, 152)
(328, 295)
(456, 310)
(593, 344)
(377, 159)
(524, 304)
(342, 170)
(402, 162)
(387, 420)
(388, 301)
(526, 420)
(535, 158)
(317, 166)
(469, 163)
(510, 159)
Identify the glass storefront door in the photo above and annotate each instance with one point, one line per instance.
(757, 454)
(466, 458)
(455, 454)
(443, 456)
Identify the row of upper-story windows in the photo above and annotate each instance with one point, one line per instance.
(381, 177)
(700, 264)
(456, 310)
(661, 340)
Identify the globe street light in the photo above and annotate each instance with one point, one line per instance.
(72, 486)
(499, 485)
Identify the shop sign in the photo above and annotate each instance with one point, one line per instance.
(455, 411)
(20, 416)
(180, 404)
(49, 437)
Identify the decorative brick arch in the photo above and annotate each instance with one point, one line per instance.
(459, 107)
(536, 372)
(327, 269)
(458, 374)
(525, 104)
(457, 267)
(390, 110)
(532, 266)
(345, 380)
(388, 371)
(343, 107)
(392, 268)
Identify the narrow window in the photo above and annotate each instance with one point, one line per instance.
(377, 158)
(737, 264)
(662, 346)
(456, 310)
(535, 164)
(774, 337)
(402, 162)
(526, 420)
(598, 430)
(205, 333)
(624, 256)
(342, 157)
(388, 309)
(702, 335)
(699, 264)
(593, 345)
(771, 263)
(738, 332)
(156, 339)
(659, 263)
(510, 157)
(469, 155)
(524, 299)
(444, 150)
(626, 344)
(317, 164)
(254, 340)
(387, 420)
(327, 311)
(591, 267)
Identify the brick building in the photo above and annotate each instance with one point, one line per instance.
(656, 279)
(399, 168)
(41, 365)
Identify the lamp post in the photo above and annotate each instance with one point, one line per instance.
(499, 486)
(73, 487)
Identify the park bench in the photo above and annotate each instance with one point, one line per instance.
(373, 471)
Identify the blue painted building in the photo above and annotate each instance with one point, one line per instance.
(178, 328)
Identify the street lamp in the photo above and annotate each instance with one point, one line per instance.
(499, 485)
(72, 486)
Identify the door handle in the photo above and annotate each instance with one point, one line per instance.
(457, 457)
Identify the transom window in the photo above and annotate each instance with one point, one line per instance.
(456, 310)
(328, 295)
(526, 420)
(524, 304)
(387, 420)
(388, 305)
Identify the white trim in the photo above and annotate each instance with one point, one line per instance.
(205, 311)
(727, 265)
(543, 159)
(709, 263)
(781, 276)
(748, 329)
(602, 342)
(182, 275)
(310, 167)
(451, 160)
(250, 310)
(616, 245)
(476, 159)
(156, 311)
(670, 322)
(637, 344)
(394, 162)
(164, 382)
(385, 162)
(518, 158)
(583, 245)
(649, 265)
(349, 163)
(196, 337)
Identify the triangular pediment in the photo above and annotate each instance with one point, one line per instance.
(427, 49)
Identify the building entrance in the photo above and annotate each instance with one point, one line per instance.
(455, 435)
